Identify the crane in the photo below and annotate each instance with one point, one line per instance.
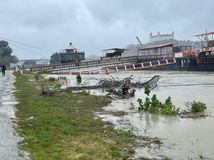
(141, 44)
(138, 47)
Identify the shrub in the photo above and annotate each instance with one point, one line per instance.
(155, 105)
(197, 107)
(168, 108)
(79, 78)
(147, 89)
(140, 108)
(146, 104)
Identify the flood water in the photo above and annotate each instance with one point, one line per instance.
(181, 138)
(8, 138)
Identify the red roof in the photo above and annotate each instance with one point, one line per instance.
(157, 46)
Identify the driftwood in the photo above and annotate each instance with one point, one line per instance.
(113, 83)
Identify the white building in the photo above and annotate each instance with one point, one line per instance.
(161, 37)
(29, 63)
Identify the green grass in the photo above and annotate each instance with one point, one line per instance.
(63, 125)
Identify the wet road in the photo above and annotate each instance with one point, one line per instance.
(8, 138)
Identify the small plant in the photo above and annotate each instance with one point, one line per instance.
(155, 104)
(168, 108)
(197, 107)
(147, 104)
(79, 78)
(201, 156)
(131, 106)
(140, 102)
(114, 153)
(144, 106)
(147, 89)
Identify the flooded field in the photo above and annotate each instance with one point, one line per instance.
(181, 138)
(8, 139)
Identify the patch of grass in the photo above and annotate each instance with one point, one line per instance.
(62, 126)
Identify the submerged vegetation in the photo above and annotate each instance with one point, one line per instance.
(195, 110)
(153, 105)
(62, 125)
(197, 107)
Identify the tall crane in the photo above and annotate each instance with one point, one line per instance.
(141, 44)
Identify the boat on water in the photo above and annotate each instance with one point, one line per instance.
(200, 60)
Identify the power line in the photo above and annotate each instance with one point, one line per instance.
(27, 50)
(27, 45)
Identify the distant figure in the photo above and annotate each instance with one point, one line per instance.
(3, 70)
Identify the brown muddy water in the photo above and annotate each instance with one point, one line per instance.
(181, 138)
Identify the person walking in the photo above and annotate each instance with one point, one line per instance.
(3, 70)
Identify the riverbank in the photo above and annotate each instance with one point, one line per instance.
(63, 125)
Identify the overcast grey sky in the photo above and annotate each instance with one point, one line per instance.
(93, 25)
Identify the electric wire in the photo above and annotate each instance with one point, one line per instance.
(28, 45)
(30, 51)
(25, 46)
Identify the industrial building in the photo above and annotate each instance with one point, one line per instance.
(68, 55)
(113, 52)
(157, 51)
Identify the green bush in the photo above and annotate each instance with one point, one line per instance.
(168, 108)
(147, 104)
(155, 106)
(140, 102)
(144, 106)
(79, 78)
(197, 107)
(147, 89)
